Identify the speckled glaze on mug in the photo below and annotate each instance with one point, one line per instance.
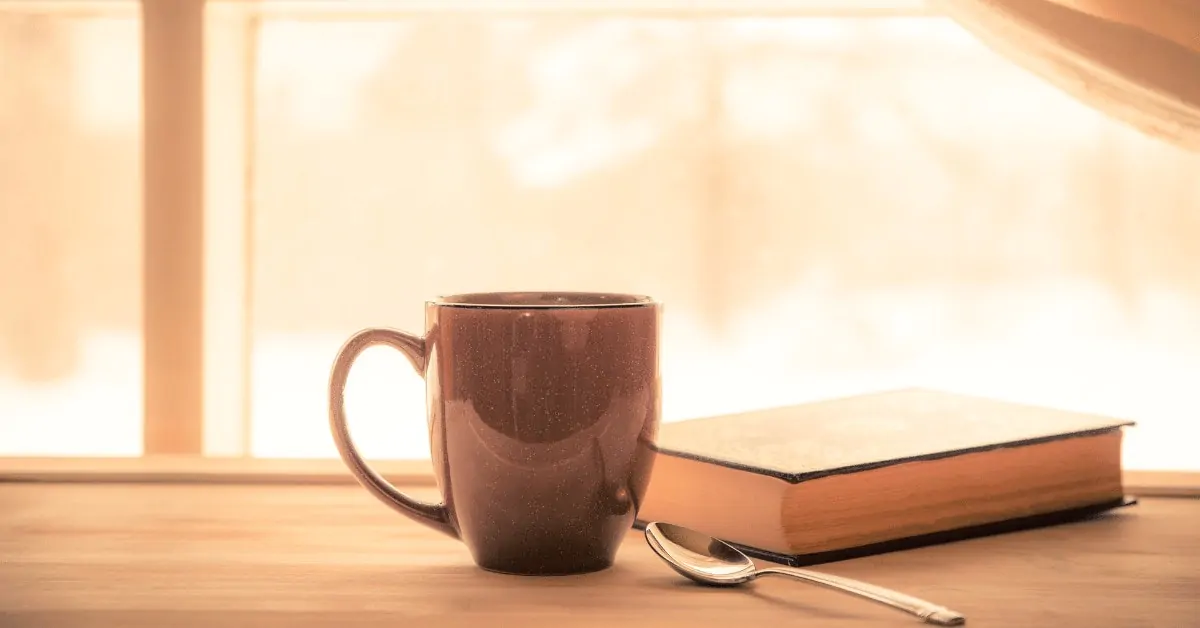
(543, 412)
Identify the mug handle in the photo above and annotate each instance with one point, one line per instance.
(435, 516)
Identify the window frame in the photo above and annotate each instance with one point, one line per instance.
(197, 156)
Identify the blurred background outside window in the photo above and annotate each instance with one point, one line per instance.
(827, 204)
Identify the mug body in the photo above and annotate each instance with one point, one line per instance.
(543, 412)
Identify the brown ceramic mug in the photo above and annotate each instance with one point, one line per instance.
(543, 410)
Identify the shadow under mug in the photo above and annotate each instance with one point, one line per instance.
(543, 408)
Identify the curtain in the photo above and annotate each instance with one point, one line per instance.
(1135, 60)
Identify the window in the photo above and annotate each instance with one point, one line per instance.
(832, 200)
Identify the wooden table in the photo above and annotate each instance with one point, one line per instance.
(230, 555)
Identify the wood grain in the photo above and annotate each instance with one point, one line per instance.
(243, 555)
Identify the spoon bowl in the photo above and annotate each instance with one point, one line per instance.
(714, 562)
(700, 557)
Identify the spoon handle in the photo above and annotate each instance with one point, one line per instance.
(931, 613)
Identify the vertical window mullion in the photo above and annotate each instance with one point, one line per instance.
(173, 225)
(230, 37)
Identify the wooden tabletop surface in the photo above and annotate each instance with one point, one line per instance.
(213, 555)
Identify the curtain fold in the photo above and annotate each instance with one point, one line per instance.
(1135, 60)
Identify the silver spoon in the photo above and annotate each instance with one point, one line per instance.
(714, 562)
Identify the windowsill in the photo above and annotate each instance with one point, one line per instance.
(197, 470)
(194, 470)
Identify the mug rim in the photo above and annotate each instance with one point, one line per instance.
(543, 300)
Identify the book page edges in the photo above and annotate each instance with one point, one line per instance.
(720, 501)
(917, 498)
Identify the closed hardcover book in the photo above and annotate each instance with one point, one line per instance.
(881, 472)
